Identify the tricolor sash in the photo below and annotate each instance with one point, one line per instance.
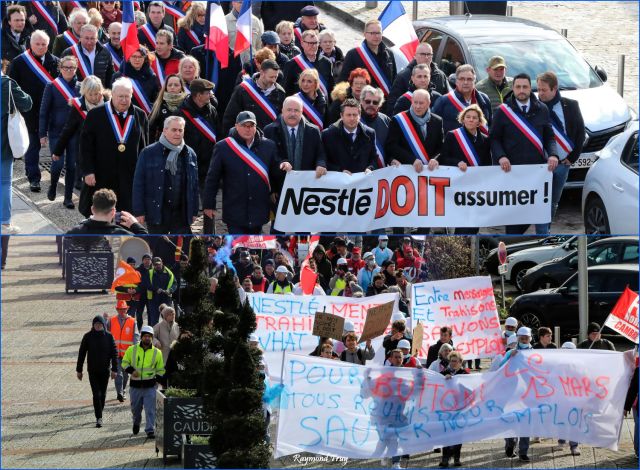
(408, 95)
(78, 105)
(298, 33)
(202, 125)
(373, 67)
(310, 112)
(379, 151)
(121, 133)
(71, 38)
(117, 61)
(141, 96)
(467, 147)
(147, 30)
(459, 105)
(412, 136)
(304, 64)
(158, 69)
(563, 141)
(48, 17)
(523, 126)
(85, 70)
(65, 90)
(193, 36)
(249, 158)
(252, 89)
(173, 11)
(37, 67)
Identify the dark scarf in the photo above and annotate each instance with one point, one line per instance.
(554, 117)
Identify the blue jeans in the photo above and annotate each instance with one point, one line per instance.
(68, 157)
(6, 176)
(560, 175)
(121, 379)
(143, 398)
(32, 158)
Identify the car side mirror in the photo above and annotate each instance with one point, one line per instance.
(601, 73)
(573, 263)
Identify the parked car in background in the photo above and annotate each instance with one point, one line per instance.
(559, 306)
(532, 48)
(610, 192)
(513, 244)
(553, 273)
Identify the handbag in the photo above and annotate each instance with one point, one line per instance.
(17, 132)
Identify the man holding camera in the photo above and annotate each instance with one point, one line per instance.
(105, 220)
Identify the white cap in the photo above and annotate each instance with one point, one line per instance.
(368, 254)
(511, 322)
(524, 331)
(282, 269)
(404, 344)
(146, 329)
(568, 345)
(513, 339)
(349, 326)
(342, 261)
(253, 338)
(398, 316)
(383, 237)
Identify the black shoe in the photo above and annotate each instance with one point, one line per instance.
(121, 399)
(479, 368)
(136, 429)
(525, 458)
(35, 186)
(443, 463)
(51, 194)
(457, 463)
(69, 204)
(509, 451)
(151, 435)
(99, 423)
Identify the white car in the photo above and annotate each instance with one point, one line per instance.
(610, 192)
(518, 263)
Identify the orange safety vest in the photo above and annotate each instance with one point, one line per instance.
(123, 336)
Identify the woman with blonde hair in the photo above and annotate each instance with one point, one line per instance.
(171, 96)
(287, 44)
(192, 27)
(314, 103)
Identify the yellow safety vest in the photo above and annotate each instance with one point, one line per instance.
(340, 285)
(171, 279)
(148, 362)
(279, 290)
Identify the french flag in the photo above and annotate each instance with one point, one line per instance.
(129, 35)
(397, 27)
(243, 29)
(218, 38)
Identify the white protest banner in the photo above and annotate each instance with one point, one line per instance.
(346, 410)
(468, 306)
(400, 197)
(255, 242)
(285, 322)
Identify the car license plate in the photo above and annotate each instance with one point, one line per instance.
(584, 161)
(502, 269)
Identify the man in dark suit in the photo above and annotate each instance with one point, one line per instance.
(15, 34)
(299, 142)
(96, 60)
(310, 57)
(352, 145)
(110, 141)
(568, 124)
(32, 70)
(48, 17)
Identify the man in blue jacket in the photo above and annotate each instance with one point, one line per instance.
(511, 145)
(165, 183)
(247, 162)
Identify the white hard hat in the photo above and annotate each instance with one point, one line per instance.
(383, 237)
(349, 326)
(404, 344)
(524, 331)
(511, 322)
(398, 316)
(568, 345)
(282, 269)
(513, 339)
(368, 254)
(342, 261)
(146, 329)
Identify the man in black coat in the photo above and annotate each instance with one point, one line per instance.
(509, 144)
(373, 48)
(350, 145)
(260, 94)
(298, 141)
(434, 349)
(147, 33)
(248, 164)
(99, 347)
(568, 125)
(424, 55)
(110, 141)
(101, 66)
(36, 12)
(33, 84)
(310, 57)
(15, 34)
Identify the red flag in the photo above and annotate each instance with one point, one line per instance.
(624, 316)
(308, 277)
(125, 274)
(129, 35)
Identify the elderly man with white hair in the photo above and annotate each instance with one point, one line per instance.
(33, 70)
(111, 139)
(165, 184)
(77, 19)
(93, 57)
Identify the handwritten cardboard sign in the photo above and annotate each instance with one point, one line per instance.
(328, 325)
(377, 321)
(418, 333)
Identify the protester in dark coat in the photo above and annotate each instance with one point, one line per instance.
(138, 70)
(55, 12)
(15, 33)
(99, 347)
(102, 62)
(434, 349)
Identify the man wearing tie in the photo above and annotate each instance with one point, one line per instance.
(93, 58)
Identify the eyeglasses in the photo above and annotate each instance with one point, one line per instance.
(375, 33)
(374, 102)
(311, 43)
(136, 57)
(425, 54)
(68, 68)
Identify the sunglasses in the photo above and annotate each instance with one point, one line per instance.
(374, 102)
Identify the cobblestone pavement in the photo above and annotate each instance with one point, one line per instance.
(47, 416)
